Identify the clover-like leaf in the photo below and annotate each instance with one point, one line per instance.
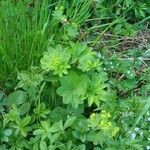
(73, 89)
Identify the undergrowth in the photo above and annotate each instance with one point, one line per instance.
(74, 75)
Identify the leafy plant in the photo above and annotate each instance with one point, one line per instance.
(90, 88)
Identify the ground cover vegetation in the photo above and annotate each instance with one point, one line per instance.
(74, 75)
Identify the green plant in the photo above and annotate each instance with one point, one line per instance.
(74, 84)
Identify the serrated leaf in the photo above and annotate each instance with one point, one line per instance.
(73, 89)
(57, 60)
(71, 30)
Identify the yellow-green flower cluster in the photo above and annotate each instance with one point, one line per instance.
(103, 123)
(106, 125)
(94, 121)
(93, 115)
(57, 60)
(105, 115)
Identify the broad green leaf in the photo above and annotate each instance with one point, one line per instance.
(117, 29)
(55, 137)
(73, 89)
(7, 132)
(25, 121)
(43, 145)
(69, 145)
(24, 108)
(69, 122)
(52, 147)
(71, 30)
(28, 80)
(56, 127)
(58, 114)
(45, 125)
(35, 146)
(18, 97)
(38, 132)
(129, 84)
(3, 147)
(72, 110)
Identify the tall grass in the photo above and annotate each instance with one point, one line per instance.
(22, 41)
(25, 30)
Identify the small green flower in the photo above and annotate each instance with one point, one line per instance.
(106, 125)
(57, 60)
(105, 115)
